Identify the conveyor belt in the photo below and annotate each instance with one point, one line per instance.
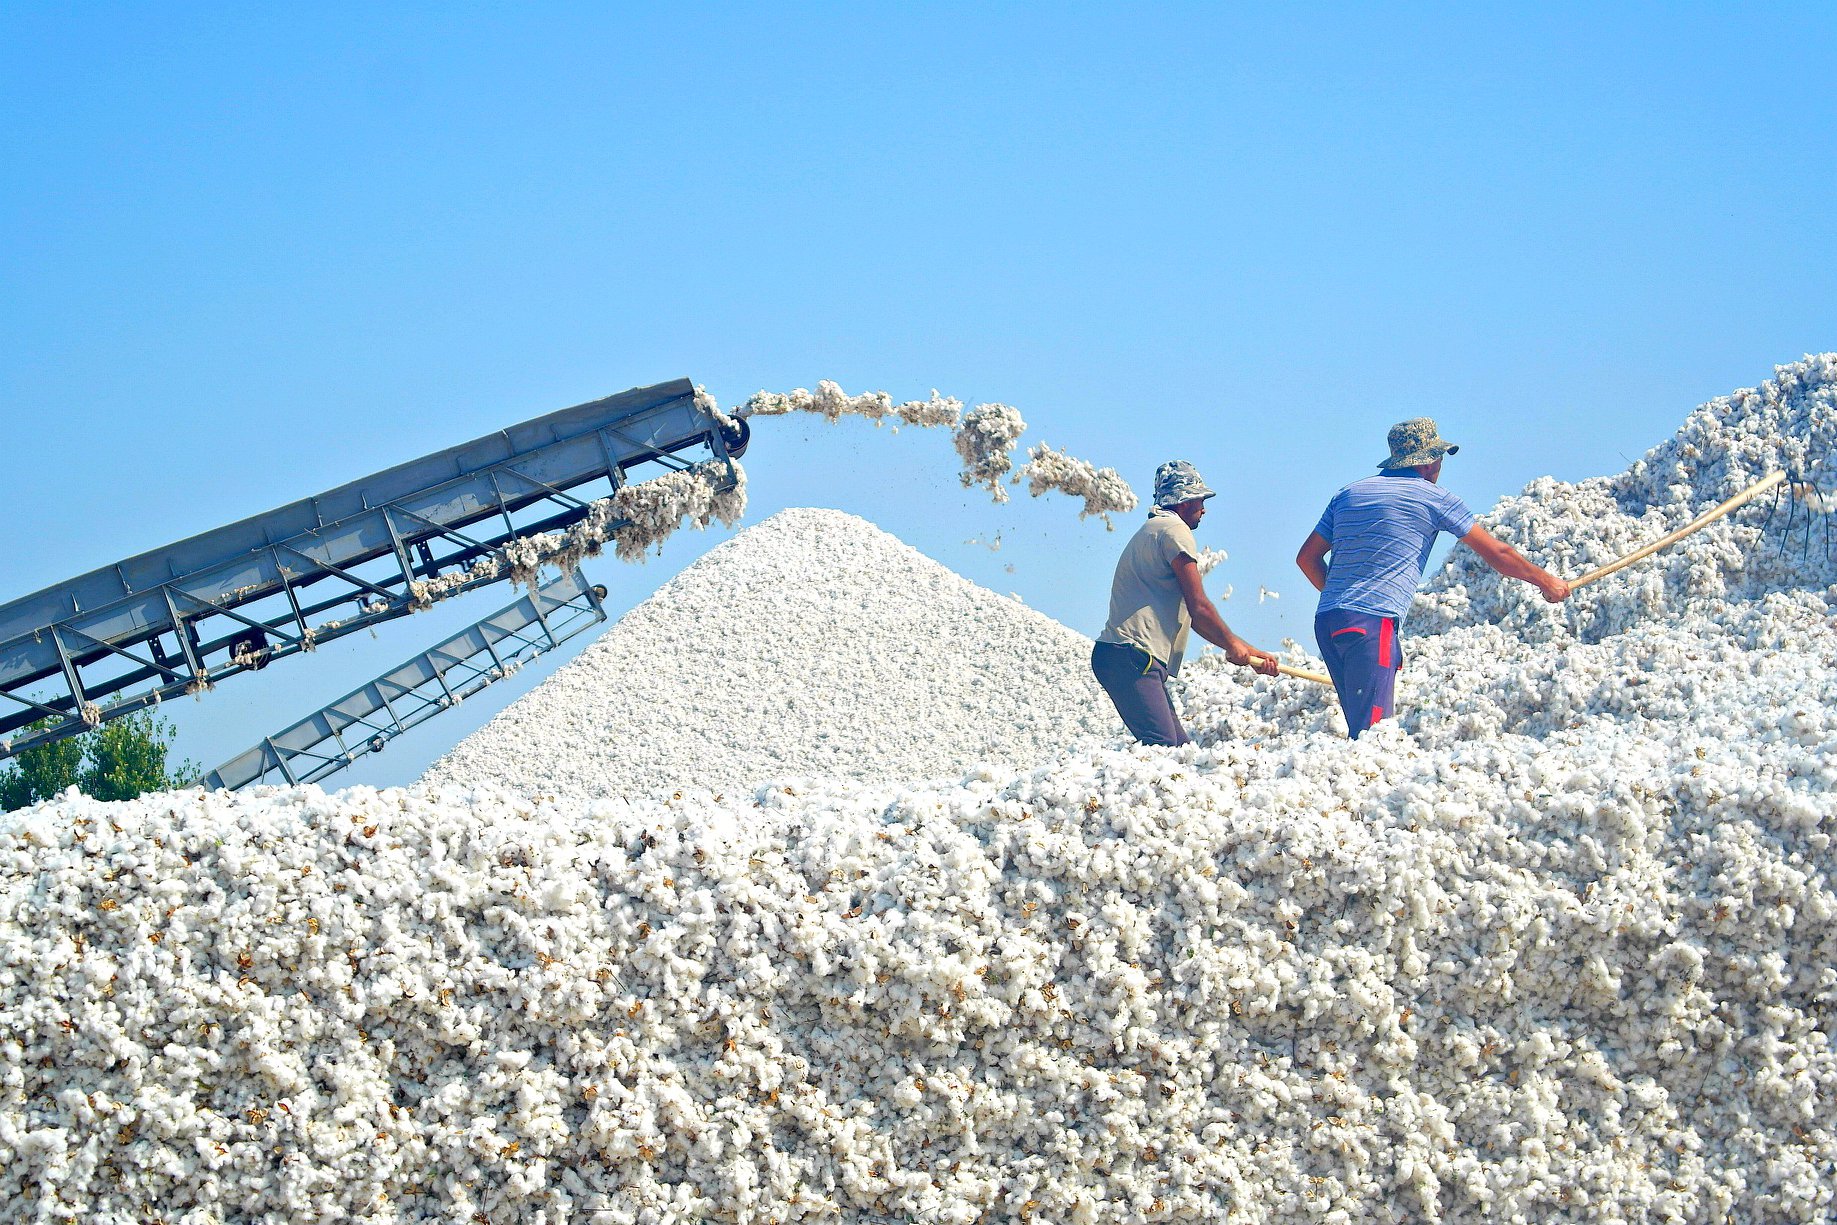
(182, 618)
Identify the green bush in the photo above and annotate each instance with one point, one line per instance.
(123, 758)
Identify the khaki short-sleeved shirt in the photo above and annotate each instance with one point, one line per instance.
(1146, 607)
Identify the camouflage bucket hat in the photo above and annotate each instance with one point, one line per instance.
(1177, 481)
(1416, 442)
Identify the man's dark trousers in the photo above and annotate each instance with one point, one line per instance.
(1137, 682)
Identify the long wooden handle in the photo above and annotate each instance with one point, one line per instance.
(1695, 525)
(1302, 675)
(1299, 674)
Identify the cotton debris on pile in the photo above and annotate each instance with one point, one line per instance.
(1787, 423)
(811, 643)
(1210, 559)
(1559, 946)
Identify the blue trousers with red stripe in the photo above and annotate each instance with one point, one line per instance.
(1362, 658)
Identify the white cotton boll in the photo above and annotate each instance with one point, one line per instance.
(985, 440)
(1103, 490)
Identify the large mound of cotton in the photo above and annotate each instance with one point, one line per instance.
(1583, 979)
(1787, 423)
(813, 643)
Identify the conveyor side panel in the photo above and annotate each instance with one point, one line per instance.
(366, 719)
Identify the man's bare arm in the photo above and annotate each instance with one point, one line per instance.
(1313, 559)
(1211, 626)
(1513, 564)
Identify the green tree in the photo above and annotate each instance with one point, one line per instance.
(127, 757)
(123, 758)
(40, 772)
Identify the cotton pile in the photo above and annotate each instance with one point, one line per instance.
(811, 643)
(1559, 945)
(1788, 423)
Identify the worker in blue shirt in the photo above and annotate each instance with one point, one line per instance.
(1379, 531)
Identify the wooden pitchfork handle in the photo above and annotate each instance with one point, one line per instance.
(1695, 525)
(1301, 674)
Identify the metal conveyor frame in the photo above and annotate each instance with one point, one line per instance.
(180, 619)
(441, 677)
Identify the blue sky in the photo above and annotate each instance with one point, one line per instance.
(249, 253)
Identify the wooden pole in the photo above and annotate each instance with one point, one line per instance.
(1299, 674)
(1695, 525)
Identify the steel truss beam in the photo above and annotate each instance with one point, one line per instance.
(366, 719)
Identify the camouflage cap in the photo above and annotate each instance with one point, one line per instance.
(1177, 481)
(1416, 442)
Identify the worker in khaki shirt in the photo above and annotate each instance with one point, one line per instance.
(1156, 596)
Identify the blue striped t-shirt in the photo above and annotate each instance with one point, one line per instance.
(1381, 530)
